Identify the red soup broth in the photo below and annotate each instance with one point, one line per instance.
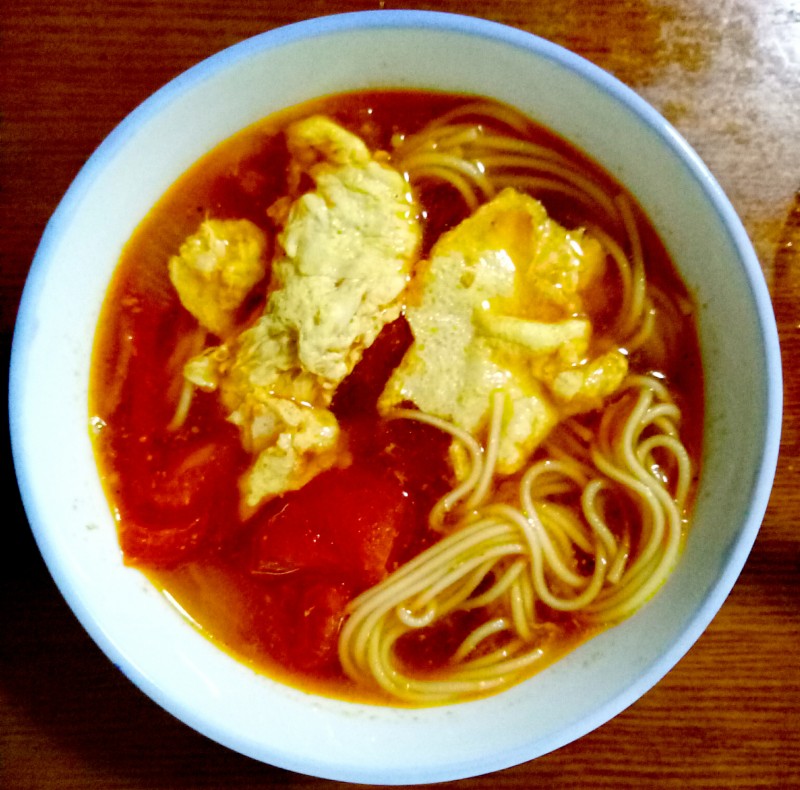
(271, 589)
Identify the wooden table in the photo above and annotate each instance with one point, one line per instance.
(727, 74)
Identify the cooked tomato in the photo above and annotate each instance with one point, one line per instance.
(322, 613)
(359, 392)
(171, 504)
(345, 521)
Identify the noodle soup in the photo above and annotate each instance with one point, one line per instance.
(398, 398)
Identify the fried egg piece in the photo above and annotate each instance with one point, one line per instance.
(344, 259)
(216, 268)
(499, 307)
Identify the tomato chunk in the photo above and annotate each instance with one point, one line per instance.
(322, 613)
(346, 521)
(174, 507)
(359, 392)
(299, 617)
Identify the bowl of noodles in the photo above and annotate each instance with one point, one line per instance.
(396, 399)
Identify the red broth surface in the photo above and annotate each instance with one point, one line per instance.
(272, 589)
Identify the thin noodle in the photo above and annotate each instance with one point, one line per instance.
(526, 554)
(477, 636)
(187, 347)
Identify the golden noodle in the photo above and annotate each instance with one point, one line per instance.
(471, 154)
(465, 149)
(186, 348)
(596, 521)
(506, 557)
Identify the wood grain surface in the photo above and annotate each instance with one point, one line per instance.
(726, 74)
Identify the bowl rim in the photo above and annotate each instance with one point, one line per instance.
(461, 24)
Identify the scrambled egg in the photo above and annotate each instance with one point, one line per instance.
(216, 268)
(499, 306)
(343, 263)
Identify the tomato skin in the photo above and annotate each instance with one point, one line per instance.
(161, 545)
(172, 509)
(323, 612)
(299, 618)
(345, 521)
(166, 512)
(317, 548)
(414, 452)
(358, 394)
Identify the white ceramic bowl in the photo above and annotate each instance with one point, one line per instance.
(146, 637)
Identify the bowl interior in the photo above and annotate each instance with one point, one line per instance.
(145, 636)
